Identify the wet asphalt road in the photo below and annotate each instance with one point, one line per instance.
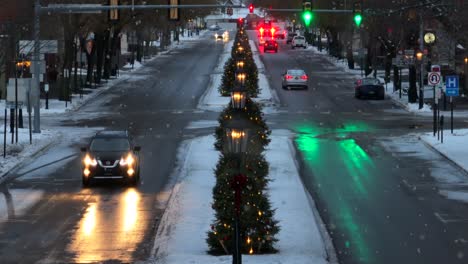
(371, 182)
(110, 222)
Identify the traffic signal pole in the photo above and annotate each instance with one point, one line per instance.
(36, 85)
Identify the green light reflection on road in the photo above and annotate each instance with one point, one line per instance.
(329, 159)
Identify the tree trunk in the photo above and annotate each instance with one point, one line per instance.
(100, 43)
(107, 55)
(412, 92)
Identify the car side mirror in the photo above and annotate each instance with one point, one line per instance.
(83, 149)
(136, 148)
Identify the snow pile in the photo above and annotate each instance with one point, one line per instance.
(452, 146)
(187, 219)
(18, 153)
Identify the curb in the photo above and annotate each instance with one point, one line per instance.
(174, 186)
(456, 164)
(10, 173)
(329, 248)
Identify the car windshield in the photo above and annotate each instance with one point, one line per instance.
(296, 72)
(110, 144)
(370, 81)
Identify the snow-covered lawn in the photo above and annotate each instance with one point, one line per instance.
(187, 219)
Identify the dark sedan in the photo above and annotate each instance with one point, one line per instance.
(271, 45)
(110, 155)
(369, 87)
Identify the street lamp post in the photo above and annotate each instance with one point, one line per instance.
(237, 138)
(420, 58)
(466, 72)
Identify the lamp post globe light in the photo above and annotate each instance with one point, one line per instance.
(240, 77)
(238, 97)
(240, 64)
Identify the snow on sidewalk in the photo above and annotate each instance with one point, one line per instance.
(454, 148)
(17, 153)
(181, 236)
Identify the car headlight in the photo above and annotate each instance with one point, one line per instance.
(88, 161)
(129, 160)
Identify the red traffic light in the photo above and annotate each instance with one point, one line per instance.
(251, 8)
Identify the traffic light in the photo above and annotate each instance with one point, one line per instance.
(357, 12)
(307, 15)
(251, 8)
(240, 22)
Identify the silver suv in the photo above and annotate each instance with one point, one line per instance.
(298, 41)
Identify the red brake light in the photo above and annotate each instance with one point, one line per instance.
(304, 77)
(288, 77)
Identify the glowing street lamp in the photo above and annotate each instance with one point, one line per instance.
(241, 76)
(419, 56)
(238, 97)
(240, 64)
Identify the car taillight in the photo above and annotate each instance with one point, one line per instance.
(276, 44)
(304, 77)
(288, 77)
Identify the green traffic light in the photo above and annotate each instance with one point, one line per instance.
(357, 19)
(307, 16)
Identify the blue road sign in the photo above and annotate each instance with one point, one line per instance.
(452, 85)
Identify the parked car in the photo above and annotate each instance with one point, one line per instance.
(111, 155)
(290, 37)
(369, 87)
(298, 41)
(271, 45)
(295, 78)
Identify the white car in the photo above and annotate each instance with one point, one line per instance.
(298, 41)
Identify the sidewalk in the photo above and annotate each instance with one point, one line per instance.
(455, 150)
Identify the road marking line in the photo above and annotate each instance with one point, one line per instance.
(440, 218)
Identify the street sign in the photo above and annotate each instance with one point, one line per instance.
(409, 52)
(45, 46)
(452, 85)
(23, 85)
(434, 78)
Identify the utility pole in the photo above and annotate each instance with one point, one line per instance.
(36, 80)
(421, 70)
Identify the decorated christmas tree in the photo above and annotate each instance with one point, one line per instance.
(248, 172)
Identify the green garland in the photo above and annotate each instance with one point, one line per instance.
(258, 228)
(228, 79)
(253, 112)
